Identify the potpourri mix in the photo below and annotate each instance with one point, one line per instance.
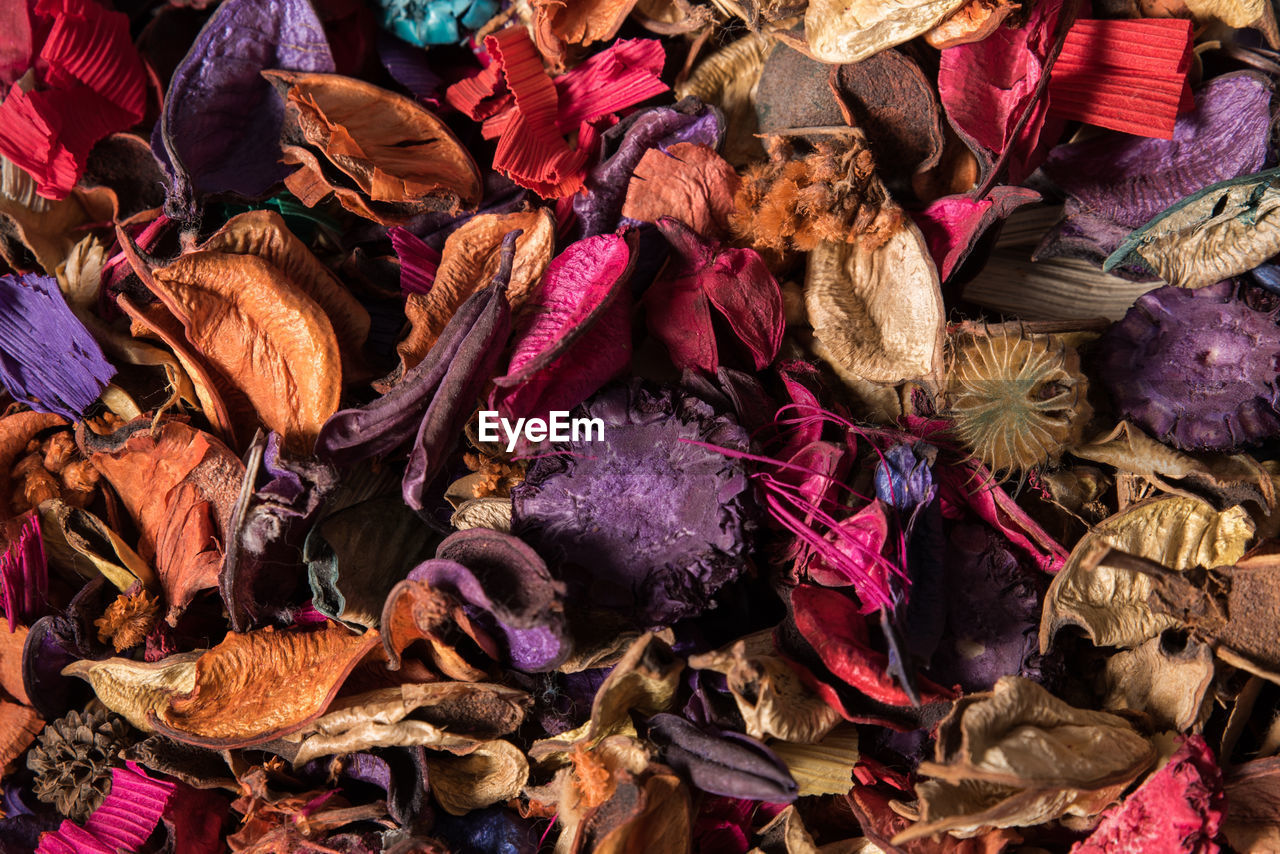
(639, 426)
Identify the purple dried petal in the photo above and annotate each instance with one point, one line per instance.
(646, 522)
(1127, 180)
(1195, 368)
(722, 763)
(904, 478)
(408, 65)
(47, 358)
(220, 129)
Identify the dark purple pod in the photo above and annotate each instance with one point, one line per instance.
(1195, 368)
(722, 763)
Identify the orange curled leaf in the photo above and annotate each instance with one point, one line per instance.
(468, 263)
(560, 23)
(11, 644)
(261, 685)
(19, 726)
(180, 485)
(399, 156)
(689, 182)
(263, 333)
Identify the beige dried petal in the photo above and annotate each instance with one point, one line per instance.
(877, 312)
(1171, 688)
(494, 513)
(770, 696)
(852, 30)
(729, 79)
(1258, 14)
(972, 22)
(494, 771)
(1111, 604)
(370, 734)
(822, 768)
(133, 689)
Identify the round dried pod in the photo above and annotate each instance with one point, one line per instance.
(1196, 368)
(72, 760)
(1018, 401)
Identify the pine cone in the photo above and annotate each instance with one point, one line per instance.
(73, 758)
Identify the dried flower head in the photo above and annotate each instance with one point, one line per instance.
(1197, 368)
(128, 620)
(72, 760)
(1017, 400)
(800, 197)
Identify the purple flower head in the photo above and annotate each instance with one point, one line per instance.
(646, 522)
(47, 358)
(1196, 368)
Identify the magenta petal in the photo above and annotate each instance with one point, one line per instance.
(860, 540)
(953, 224)
(122, 823)
(679, 314)
(418, 261)
(575, 332)
(24, 574)
(741, 288)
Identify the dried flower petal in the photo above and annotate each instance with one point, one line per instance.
(841, 31)
(688, 182)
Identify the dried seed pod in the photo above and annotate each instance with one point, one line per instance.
(73, 758)
(1017, 400)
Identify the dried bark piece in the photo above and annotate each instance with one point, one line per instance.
(876, 309)
(730, 78)
(852, 30)
(689, 182)
(468, 263)
(179, 484)
(1019, 756)
(1222, 231)
(261, 685)
(263, 333)
(389, 157)
(1111, 604)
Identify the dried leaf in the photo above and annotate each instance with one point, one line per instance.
(1258, 14)
(560, 23)
(824, 767)
(1111, 604)
(972, 22)
(81, 540)
(19, 726)
(401, 158)
(1252, 823)
(492, 772)
(11, 646)
(1222, 231)
(652, 816)
(136, 689)
(688, 182)
(1167, 681)
(877, 311)
(852, 30)
(179, 484)
(51, 232)
(263, 333)
(1019, 756)
(770, 696)
(469, 262)
(16, 431)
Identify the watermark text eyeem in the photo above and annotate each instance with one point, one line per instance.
(559, 427)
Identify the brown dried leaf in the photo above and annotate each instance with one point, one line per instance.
(135, 689)
(1112, 604)
(263, 234)
(651, 816)
(401, 158)
(1019, 756)
(19, 726)
(180, 485)
(1252, 822)
(469, 262)
(852, 30)
(76, 539)
(1170, 686)
(770, 696)
(687, 181)
(415, 611)
(263, 333)
(261, 685)
(877, 311)
(730, 79)
(488, 773)
(51, 232)
(560, 23)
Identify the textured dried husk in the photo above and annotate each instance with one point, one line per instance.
(488, 773)
(1170, 687)
(852, 30)
(401, 158)
(1111, 604)
(730, 79)
(876, 311)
